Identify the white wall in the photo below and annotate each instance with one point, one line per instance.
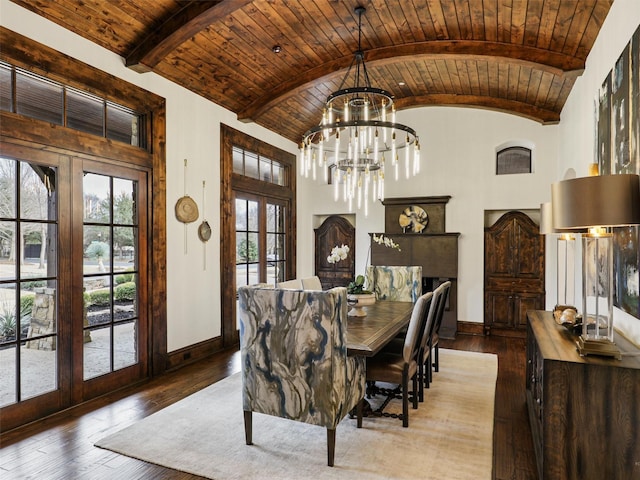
(458, 151)
(193, 132)
(577, 128)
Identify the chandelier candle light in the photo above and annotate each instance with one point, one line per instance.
(357, 136)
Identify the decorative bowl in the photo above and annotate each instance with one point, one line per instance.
(359, 300)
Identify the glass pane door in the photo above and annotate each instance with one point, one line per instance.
(110, 274)
(28, 281)
(247, 242)
(261, 256)
(276, 242)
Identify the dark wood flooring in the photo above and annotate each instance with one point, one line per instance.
(61, 447)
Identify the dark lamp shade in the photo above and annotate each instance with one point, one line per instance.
(599, 201)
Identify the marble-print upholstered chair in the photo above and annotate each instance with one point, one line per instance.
(294, 358)
(398, 283)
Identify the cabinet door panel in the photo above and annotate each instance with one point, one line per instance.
(500, 244)
(522, 303)
(499, 308)
(528, 245)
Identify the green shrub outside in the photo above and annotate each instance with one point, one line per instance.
(26, 304)
(124, 278)
(100, 297)
(33, 284)
(7, 326)
(125, 292)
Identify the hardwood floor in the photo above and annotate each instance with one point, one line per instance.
(61, 447)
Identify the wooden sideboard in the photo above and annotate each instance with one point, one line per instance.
(584, 411)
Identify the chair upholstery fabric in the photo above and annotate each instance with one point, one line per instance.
(435, 337)
(396, 283)
(400, 368)
(424, 370)
(295, 284)
(312, 283)
(294, 356)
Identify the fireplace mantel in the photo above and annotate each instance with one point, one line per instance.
(435, 250)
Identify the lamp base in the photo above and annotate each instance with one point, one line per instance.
(600, 346)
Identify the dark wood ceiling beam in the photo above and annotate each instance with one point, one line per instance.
(185, 23)
(522, 109)
(554, 63)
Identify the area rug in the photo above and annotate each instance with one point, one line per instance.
(450, 435)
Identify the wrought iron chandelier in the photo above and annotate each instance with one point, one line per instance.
(358, 138)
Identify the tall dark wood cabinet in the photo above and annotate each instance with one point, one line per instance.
(431, 248)
(514, 273)
(584, 411)
(335, 230)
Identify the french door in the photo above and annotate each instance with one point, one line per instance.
(262, 255)
(110, 206)
(72, 281)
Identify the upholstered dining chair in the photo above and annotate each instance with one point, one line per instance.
(400, 369)
(294, 358)
(435, 337)
(426, 354)
(398, 283)
(424, 341)
(295, 284)
(312, 283)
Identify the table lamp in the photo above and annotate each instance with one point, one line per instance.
(597, 203)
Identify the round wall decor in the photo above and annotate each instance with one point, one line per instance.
(204, 231)
(186, 209)
(413, 219)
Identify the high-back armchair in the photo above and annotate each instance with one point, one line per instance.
(398, 283)
(294, 358)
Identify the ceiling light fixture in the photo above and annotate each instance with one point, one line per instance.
(358, 136)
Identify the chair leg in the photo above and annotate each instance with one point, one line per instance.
(421, 378)
(360, 411)
(436, 364)
(415, 388)
(405, 399)
(331, 445)
(248, 431)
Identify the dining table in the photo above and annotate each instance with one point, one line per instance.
(368, 334)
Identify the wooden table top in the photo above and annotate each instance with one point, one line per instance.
(385, 319)
(557, 343)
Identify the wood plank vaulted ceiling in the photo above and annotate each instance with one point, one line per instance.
(517, 56)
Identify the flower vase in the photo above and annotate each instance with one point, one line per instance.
(359, 300)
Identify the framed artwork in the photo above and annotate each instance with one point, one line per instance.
(604, 128)
(634, 133)
(626, 265)
(618, 152)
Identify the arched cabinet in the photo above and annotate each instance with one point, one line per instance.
(514, 272)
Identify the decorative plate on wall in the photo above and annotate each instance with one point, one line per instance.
(413, 219)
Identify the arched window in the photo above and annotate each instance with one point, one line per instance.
(515, 159)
